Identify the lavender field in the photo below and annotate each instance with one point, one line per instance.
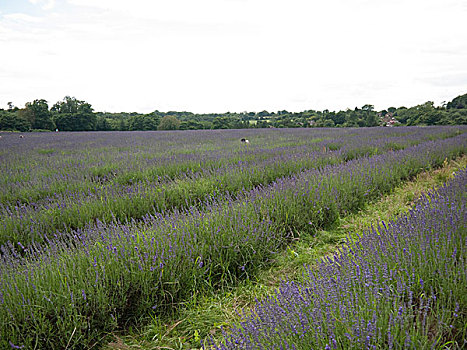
(99, 231)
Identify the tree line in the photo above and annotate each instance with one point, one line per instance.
(71, 114)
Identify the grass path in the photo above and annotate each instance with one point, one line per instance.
(204, 315)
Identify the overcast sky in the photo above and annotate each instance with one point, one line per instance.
(233, 55)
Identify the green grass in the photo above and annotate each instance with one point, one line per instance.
(203, 315)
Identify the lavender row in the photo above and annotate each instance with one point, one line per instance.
(79, 287)
(26, 223)
(400, 285)
(47, 159)
(75, 209)
(43, 164)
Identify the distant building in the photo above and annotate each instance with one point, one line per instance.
(388, 120)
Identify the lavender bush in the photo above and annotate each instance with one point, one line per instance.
(400, 285)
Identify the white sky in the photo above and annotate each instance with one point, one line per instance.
(233, 55)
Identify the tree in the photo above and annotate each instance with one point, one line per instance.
(68, 105)
(458, 117)
(222, 123)
(427, 114)
(74, 115)
(191, 125)
(13, 120)
(122, 125)
(351, 118)
(169, 122)
(262, 124)
(370, 118)
(40, 115)
(103, 124)
(459, 102)
(27, 115)
(325, 123)
(65, 122)
(337, 118)
(264, 114)
(142, 122)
